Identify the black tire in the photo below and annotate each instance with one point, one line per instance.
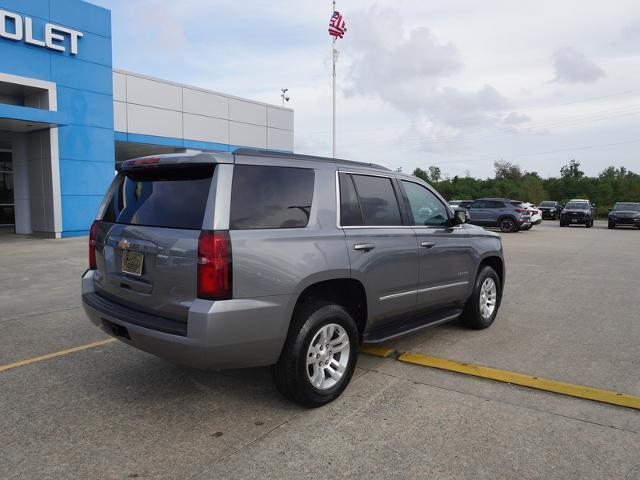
(507, 225)
(290, 373)
(472, 316)
(589, 224)
(563, 224)
(611, 226)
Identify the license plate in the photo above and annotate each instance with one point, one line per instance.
(574, 220)
(132, 263)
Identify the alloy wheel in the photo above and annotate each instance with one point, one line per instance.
(328, 356)
(488, 297)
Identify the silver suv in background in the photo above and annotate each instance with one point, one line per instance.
(255, 258)
(507, 215)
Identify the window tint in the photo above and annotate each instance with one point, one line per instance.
(270, 197)
(426, 209)
(173, 197)
(479, 204)
(494, 204)
(378, 200)
(350, 213)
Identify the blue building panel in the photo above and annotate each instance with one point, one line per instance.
(78, 211)
(74, 73)
(79, 177)
(32, 8)
(86, 108)
(79, 142)
(24, 61)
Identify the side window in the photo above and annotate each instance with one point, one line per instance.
(495, 205)
(426, 208)
(270, 197)
(350, 213)
(478, 204)
(378, 201)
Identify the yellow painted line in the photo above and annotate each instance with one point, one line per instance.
(579, 391)
(377, 351)
(49, 356)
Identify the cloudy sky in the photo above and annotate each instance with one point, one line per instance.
(452, 83)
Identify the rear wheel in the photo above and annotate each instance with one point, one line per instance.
(319, 356)
(507, 225)
(482, 307)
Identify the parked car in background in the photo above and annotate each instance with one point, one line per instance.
(460, 204)
(257, 258)
(550, 209)
(508, 215)
(577, 212)
(625, 213)
(536, 214)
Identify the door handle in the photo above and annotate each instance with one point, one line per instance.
(365, 247)
(427, 244)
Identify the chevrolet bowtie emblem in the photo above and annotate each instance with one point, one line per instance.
(124, 244)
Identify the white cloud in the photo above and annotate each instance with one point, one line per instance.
(572, 66)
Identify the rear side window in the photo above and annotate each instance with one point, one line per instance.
(493, 204)
(174, 197)
(377, 199)
(270, 197)
(350, 213)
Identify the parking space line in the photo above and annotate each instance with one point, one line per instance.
(49, 356)
(570, 389)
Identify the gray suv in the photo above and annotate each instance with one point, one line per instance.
(255, 258)
(508, 215)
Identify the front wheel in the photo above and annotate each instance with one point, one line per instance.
(482, 307)
(589, 224)
(319, 355)
(611, 226)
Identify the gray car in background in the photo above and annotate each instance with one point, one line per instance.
(256, 258)
(503, 213)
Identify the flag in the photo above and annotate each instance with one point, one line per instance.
(337, 27)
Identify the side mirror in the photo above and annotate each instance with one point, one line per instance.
(460, 216)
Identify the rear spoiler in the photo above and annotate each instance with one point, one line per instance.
(174, 159)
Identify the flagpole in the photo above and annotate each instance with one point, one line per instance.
(333, 55)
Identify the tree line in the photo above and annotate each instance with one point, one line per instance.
(610, 186)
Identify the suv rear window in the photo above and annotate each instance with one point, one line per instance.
(174, 197)
(270, 197)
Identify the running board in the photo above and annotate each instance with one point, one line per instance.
(391, 332)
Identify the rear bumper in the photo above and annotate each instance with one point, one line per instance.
(224, 334)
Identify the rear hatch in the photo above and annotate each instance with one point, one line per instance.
(147, 239)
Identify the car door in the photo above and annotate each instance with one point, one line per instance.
(478, 212)
(445, 253)
(383, 251)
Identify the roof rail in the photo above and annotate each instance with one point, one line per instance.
(295, 156)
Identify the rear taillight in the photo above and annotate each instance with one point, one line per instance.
(92, 246)
(214, 265)
(520, 210)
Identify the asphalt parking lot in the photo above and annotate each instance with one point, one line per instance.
(569, 313)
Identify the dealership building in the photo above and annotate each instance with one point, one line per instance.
(67, 117)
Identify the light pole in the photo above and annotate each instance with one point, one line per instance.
(285, 97)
